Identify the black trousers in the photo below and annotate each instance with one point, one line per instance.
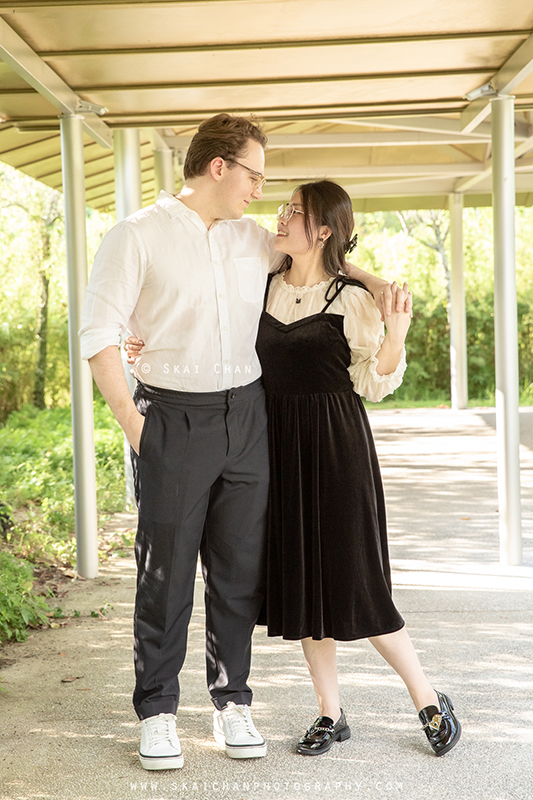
(201, 483)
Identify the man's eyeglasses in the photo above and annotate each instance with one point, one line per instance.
(259, 180)
(286, 212)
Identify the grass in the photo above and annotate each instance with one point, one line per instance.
(37, 503)
(444, 401)
(37, 481)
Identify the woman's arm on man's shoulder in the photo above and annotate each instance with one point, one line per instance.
(381, 290)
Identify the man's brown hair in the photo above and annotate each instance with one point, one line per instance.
(226, 136)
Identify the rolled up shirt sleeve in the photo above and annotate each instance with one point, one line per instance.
(365, 333)
(113, 289)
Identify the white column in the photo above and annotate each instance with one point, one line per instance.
(80, 374)
(458, 357)
(505, 325)
(128, 187)
(164, 171)
(128, 199)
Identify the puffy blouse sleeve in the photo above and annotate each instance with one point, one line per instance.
(365, 332)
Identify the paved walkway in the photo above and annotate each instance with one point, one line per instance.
(470, 618)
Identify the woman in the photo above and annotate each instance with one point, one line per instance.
(321, 345)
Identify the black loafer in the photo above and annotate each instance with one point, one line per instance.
(442, 728)
(319, 736)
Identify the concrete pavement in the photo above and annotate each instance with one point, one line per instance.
(68, 730)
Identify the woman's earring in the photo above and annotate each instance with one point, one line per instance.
(321, 243)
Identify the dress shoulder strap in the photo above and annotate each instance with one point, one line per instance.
(335, 288)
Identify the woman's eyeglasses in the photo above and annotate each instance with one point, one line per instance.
(286, 212)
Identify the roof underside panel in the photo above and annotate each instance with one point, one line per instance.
(372, 94)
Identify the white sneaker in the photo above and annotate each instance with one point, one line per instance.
(233, 729)
(160, 746)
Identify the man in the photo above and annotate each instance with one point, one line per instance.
(187, 275)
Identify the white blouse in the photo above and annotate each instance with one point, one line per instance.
(363, 329)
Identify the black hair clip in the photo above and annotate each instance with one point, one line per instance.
(351, 244)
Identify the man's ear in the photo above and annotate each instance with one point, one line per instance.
(216, 168)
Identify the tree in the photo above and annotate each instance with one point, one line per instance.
(42, 207)
(45, 226)
(436, 223)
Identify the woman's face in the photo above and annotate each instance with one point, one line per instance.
(291, 238)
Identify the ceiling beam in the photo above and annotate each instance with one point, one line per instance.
(62, 4)
(159, 142)
(505, 81)
(318, 111)
(423, 123)
(299, 172)
(351, 115)
(384, 182)
(406, 119)
(279, 44)
(191, 119)
(438, 125)
(464, 184)
(282, 80)
(177, 118)
(515, 70)
(336, 140)
(26, 63)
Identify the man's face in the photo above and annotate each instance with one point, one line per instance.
(239, 187)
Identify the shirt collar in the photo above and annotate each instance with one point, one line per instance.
(172, 205)
(175, 208)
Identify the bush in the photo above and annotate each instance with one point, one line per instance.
(428, 356)
(19, 608)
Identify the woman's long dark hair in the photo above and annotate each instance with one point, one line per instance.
(327, 203)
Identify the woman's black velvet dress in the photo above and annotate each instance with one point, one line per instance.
(328, 572)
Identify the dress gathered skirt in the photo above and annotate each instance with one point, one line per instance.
(328, 572)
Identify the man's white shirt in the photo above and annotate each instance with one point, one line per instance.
(193, 295)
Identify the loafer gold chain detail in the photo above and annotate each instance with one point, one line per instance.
(442, 728)
(435, 722)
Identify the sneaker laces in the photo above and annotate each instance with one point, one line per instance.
(238, 717)
(159, 729)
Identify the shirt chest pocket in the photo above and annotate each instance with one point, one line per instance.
(251, 280)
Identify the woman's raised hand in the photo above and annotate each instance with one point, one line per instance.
(133, 348)
(401, 311)
(390, 297)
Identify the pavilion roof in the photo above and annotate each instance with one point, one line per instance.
(372, 94)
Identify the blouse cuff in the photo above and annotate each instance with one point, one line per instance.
(394, 378)
(379, 386)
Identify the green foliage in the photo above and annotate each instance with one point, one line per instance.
(388, 251)
(37, 477)
(19, 607)
(428, 353)
(33, 244)
(480, 346)
(103, 611)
